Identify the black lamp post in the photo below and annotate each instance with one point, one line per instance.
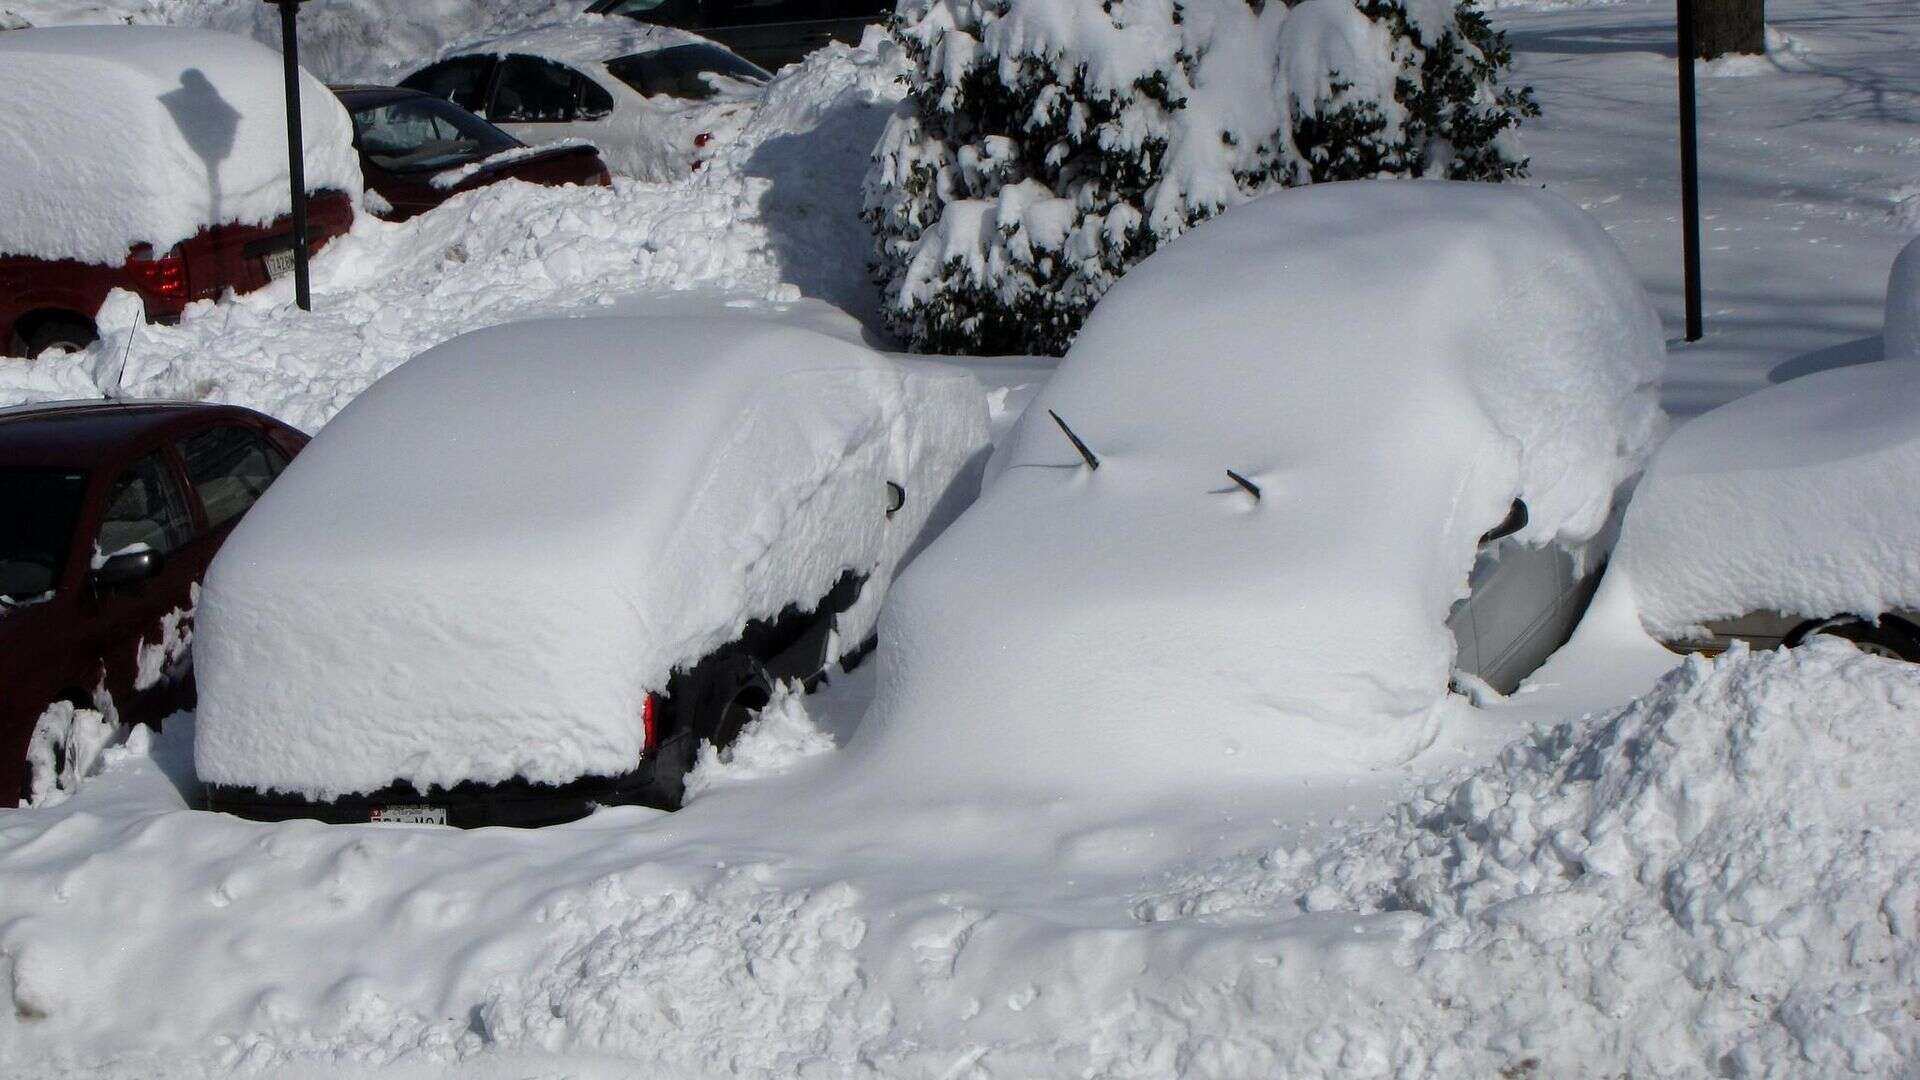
(296, 156)
(1689, 173)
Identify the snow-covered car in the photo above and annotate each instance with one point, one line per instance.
(152, 159)
(532, 569)
(656, 101)
(1787, 513)
(1353, 442)
(417, 151)
(112, 512)
(771, 33)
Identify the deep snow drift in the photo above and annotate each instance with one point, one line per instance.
(480, 569)
(120, 136)
(1073, 608)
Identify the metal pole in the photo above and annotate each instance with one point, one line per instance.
(296, 157)
(1689, 173)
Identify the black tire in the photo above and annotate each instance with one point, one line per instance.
(1891, 636)
(72, 335)
(747, 700)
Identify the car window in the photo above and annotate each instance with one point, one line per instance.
(462, 81)
(533, 91)
(684, 13)
(692, 72)
(144, 506)
(754, 12)
(425, 133)
(230, 467)
(37, 529)
(595, 102)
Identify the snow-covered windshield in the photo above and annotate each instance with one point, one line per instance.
(692, 72)
(37, 529)
(425, 133)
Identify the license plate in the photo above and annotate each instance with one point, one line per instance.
(408, 815)
(279, 263)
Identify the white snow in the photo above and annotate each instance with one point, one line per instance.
(448, 179)
(130, 135)
(1902, 336)
(779, 737)
(1072, 608)
(514, 537)
(1798, 499)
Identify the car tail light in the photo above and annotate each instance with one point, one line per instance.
(161, 275)
(649, 714)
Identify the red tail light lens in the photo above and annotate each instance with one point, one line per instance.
(651, 736)
(159, 275)
(703, 139)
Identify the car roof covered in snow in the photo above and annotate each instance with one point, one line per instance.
(586, 40)
(121, 135)
(1390, 363)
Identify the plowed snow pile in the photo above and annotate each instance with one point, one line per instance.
(1723, 878)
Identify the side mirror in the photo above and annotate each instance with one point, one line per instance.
(127, 568)
(896, 497)
(1515, 520)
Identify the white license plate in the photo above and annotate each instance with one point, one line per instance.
(279, 263)
(408, 815)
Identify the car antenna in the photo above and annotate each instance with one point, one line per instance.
(1252, 488)
(1092, 462)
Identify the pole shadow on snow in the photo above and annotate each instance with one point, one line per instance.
(208, 124)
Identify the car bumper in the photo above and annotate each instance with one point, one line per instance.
(513, 804)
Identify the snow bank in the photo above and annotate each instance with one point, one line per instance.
(1795, 499)
(1392, 363)
(481, 567)
(1721, 878)
(132, 135)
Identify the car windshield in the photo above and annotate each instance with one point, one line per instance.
(36, 531)
(419, 133)
(693, 72)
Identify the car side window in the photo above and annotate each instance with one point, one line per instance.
(595, 102)
(144, 506)
(533, 91)
(230, 467)
(462, 81)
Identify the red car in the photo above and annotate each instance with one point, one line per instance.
(417, 151)
(113, 511)
(50, 303)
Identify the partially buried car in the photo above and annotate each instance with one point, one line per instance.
(1783, 515)
(152, 159)
(113, 511)
(417, 151)
(656, 101)
(771, 33)
(1302, 468)
(530, 570)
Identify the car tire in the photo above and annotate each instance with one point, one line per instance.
(744, 703)
(1892, 637)
(70, 335)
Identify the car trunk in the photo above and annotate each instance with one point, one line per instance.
(236, 256)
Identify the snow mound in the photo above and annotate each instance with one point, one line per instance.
(1721, 878)
(1797, 499)
(1391, 363)
(1901, 339)
(483, 565)
(200, 112)
(777, 738)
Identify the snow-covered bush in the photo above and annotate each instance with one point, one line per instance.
(1048, 145)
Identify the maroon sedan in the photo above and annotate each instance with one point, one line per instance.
(417, 151)
(112, 512)
(50, 303)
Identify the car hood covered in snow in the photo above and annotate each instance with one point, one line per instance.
(1800, 498)
(124, 135)
(1391, 363)
(481, 566)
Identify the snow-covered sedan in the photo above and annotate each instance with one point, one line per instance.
(655, 100)
(151, 159)
(1785, 514)
(532, 569)
(1300, 469)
